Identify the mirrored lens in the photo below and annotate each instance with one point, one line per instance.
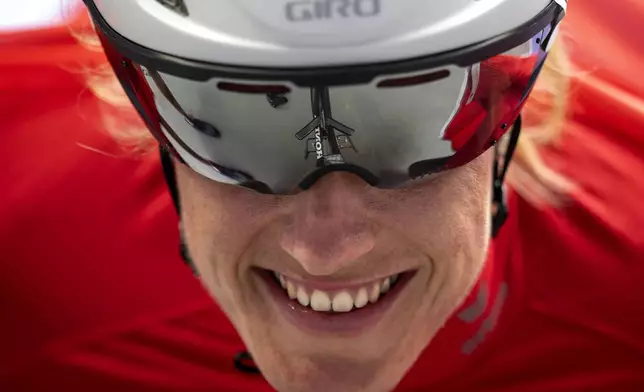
(397, 127)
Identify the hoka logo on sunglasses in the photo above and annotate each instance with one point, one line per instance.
(310, 10)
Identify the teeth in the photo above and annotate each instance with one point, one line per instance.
(386, 284)
(342, 302)
(320, 301)
(282, 281)
(339, 302)
(374, 294)
(292, 292)
(362, 298)
(302, 297)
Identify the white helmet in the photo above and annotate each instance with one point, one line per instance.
(273, 94)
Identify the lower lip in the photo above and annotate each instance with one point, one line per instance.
(352, 322)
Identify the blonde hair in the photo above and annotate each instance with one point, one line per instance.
(119, 118)
(545, 112)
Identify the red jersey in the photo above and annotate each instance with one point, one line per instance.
(95, 296)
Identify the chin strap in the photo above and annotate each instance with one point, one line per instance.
(171, 179)
(499, 201)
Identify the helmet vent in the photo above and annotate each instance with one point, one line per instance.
(178, 6)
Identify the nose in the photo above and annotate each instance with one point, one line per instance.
(329, 227)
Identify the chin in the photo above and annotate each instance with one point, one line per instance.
(324, 374)
(290, 364)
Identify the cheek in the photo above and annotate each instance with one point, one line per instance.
(450, 221)
(215, 231)
(464, 228)
(448, 216)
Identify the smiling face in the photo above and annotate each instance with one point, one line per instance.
(342, 286)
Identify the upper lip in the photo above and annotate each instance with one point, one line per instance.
(330, 284)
